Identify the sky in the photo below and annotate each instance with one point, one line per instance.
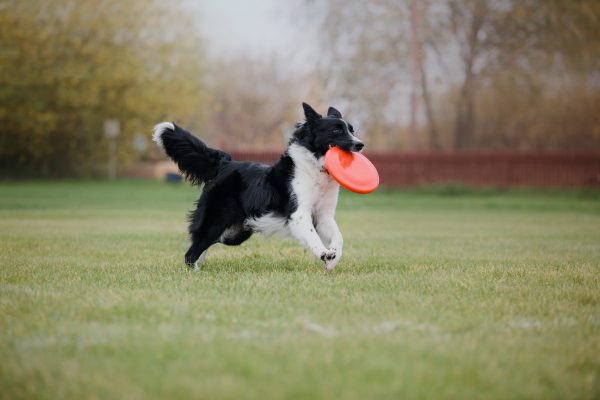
(257, 27)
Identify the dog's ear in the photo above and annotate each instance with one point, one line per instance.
(332, 112)
(310, 114)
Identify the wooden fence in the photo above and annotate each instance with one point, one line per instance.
(496, 169)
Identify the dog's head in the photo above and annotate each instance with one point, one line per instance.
(320, 133)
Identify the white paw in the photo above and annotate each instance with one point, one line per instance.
(330, 258)
(198, 263)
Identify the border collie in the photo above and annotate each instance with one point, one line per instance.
(295, 196)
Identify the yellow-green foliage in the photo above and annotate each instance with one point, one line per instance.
(65, 66)
(517, 112)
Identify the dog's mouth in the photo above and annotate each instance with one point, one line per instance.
(350, 147)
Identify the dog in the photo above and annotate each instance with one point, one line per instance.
(295, 196)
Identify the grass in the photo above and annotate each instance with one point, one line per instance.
(440, 294)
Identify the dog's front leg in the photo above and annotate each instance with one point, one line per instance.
(302, 229)
(330, 233)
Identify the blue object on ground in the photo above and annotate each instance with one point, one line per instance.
(172, 177)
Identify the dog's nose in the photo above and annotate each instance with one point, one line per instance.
(358, 146)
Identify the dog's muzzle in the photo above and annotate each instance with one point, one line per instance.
(358, 146)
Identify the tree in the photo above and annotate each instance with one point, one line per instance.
(467, 23)
(68, 65)
(252, 103)
(538, 87)
(372, 54)
(478, 53)
(363, 61)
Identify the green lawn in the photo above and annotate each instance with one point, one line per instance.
(440, 294)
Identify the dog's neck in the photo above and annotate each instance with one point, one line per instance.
(306, 159)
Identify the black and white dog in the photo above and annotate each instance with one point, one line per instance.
(295, 196)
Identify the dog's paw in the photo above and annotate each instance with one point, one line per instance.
(195, 263)
(328, 255)
(330, 258)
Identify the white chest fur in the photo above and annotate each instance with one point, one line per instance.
(312, 223)
(315, 191)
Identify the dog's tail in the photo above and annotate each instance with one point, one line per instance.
(198, 162)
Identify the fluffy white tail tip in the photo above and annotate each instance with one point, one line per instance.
(159, 130)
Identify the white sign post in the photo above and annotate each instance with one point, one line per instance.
(112, 130)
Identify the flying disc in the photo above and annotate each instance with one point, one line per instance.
(352, 170)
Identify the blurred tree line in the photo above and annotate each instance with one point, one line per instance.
(67, 65)
(253, 103)
(493, 74)
(429, 74)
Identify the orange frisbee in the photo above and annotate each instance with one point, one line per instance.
(352, 170)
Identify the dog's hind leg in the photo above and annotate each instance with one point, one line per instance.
(229, 236)
(216, 212)
(207, 235)
(209, 225)
(235, 235)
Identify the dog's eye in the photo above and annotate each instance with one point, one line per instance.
(338, 131)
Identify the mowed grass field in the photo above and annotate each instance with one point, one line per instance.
(441, 294)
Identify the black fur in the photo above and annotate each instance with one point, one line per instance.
(236, 191)
(197, 161)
